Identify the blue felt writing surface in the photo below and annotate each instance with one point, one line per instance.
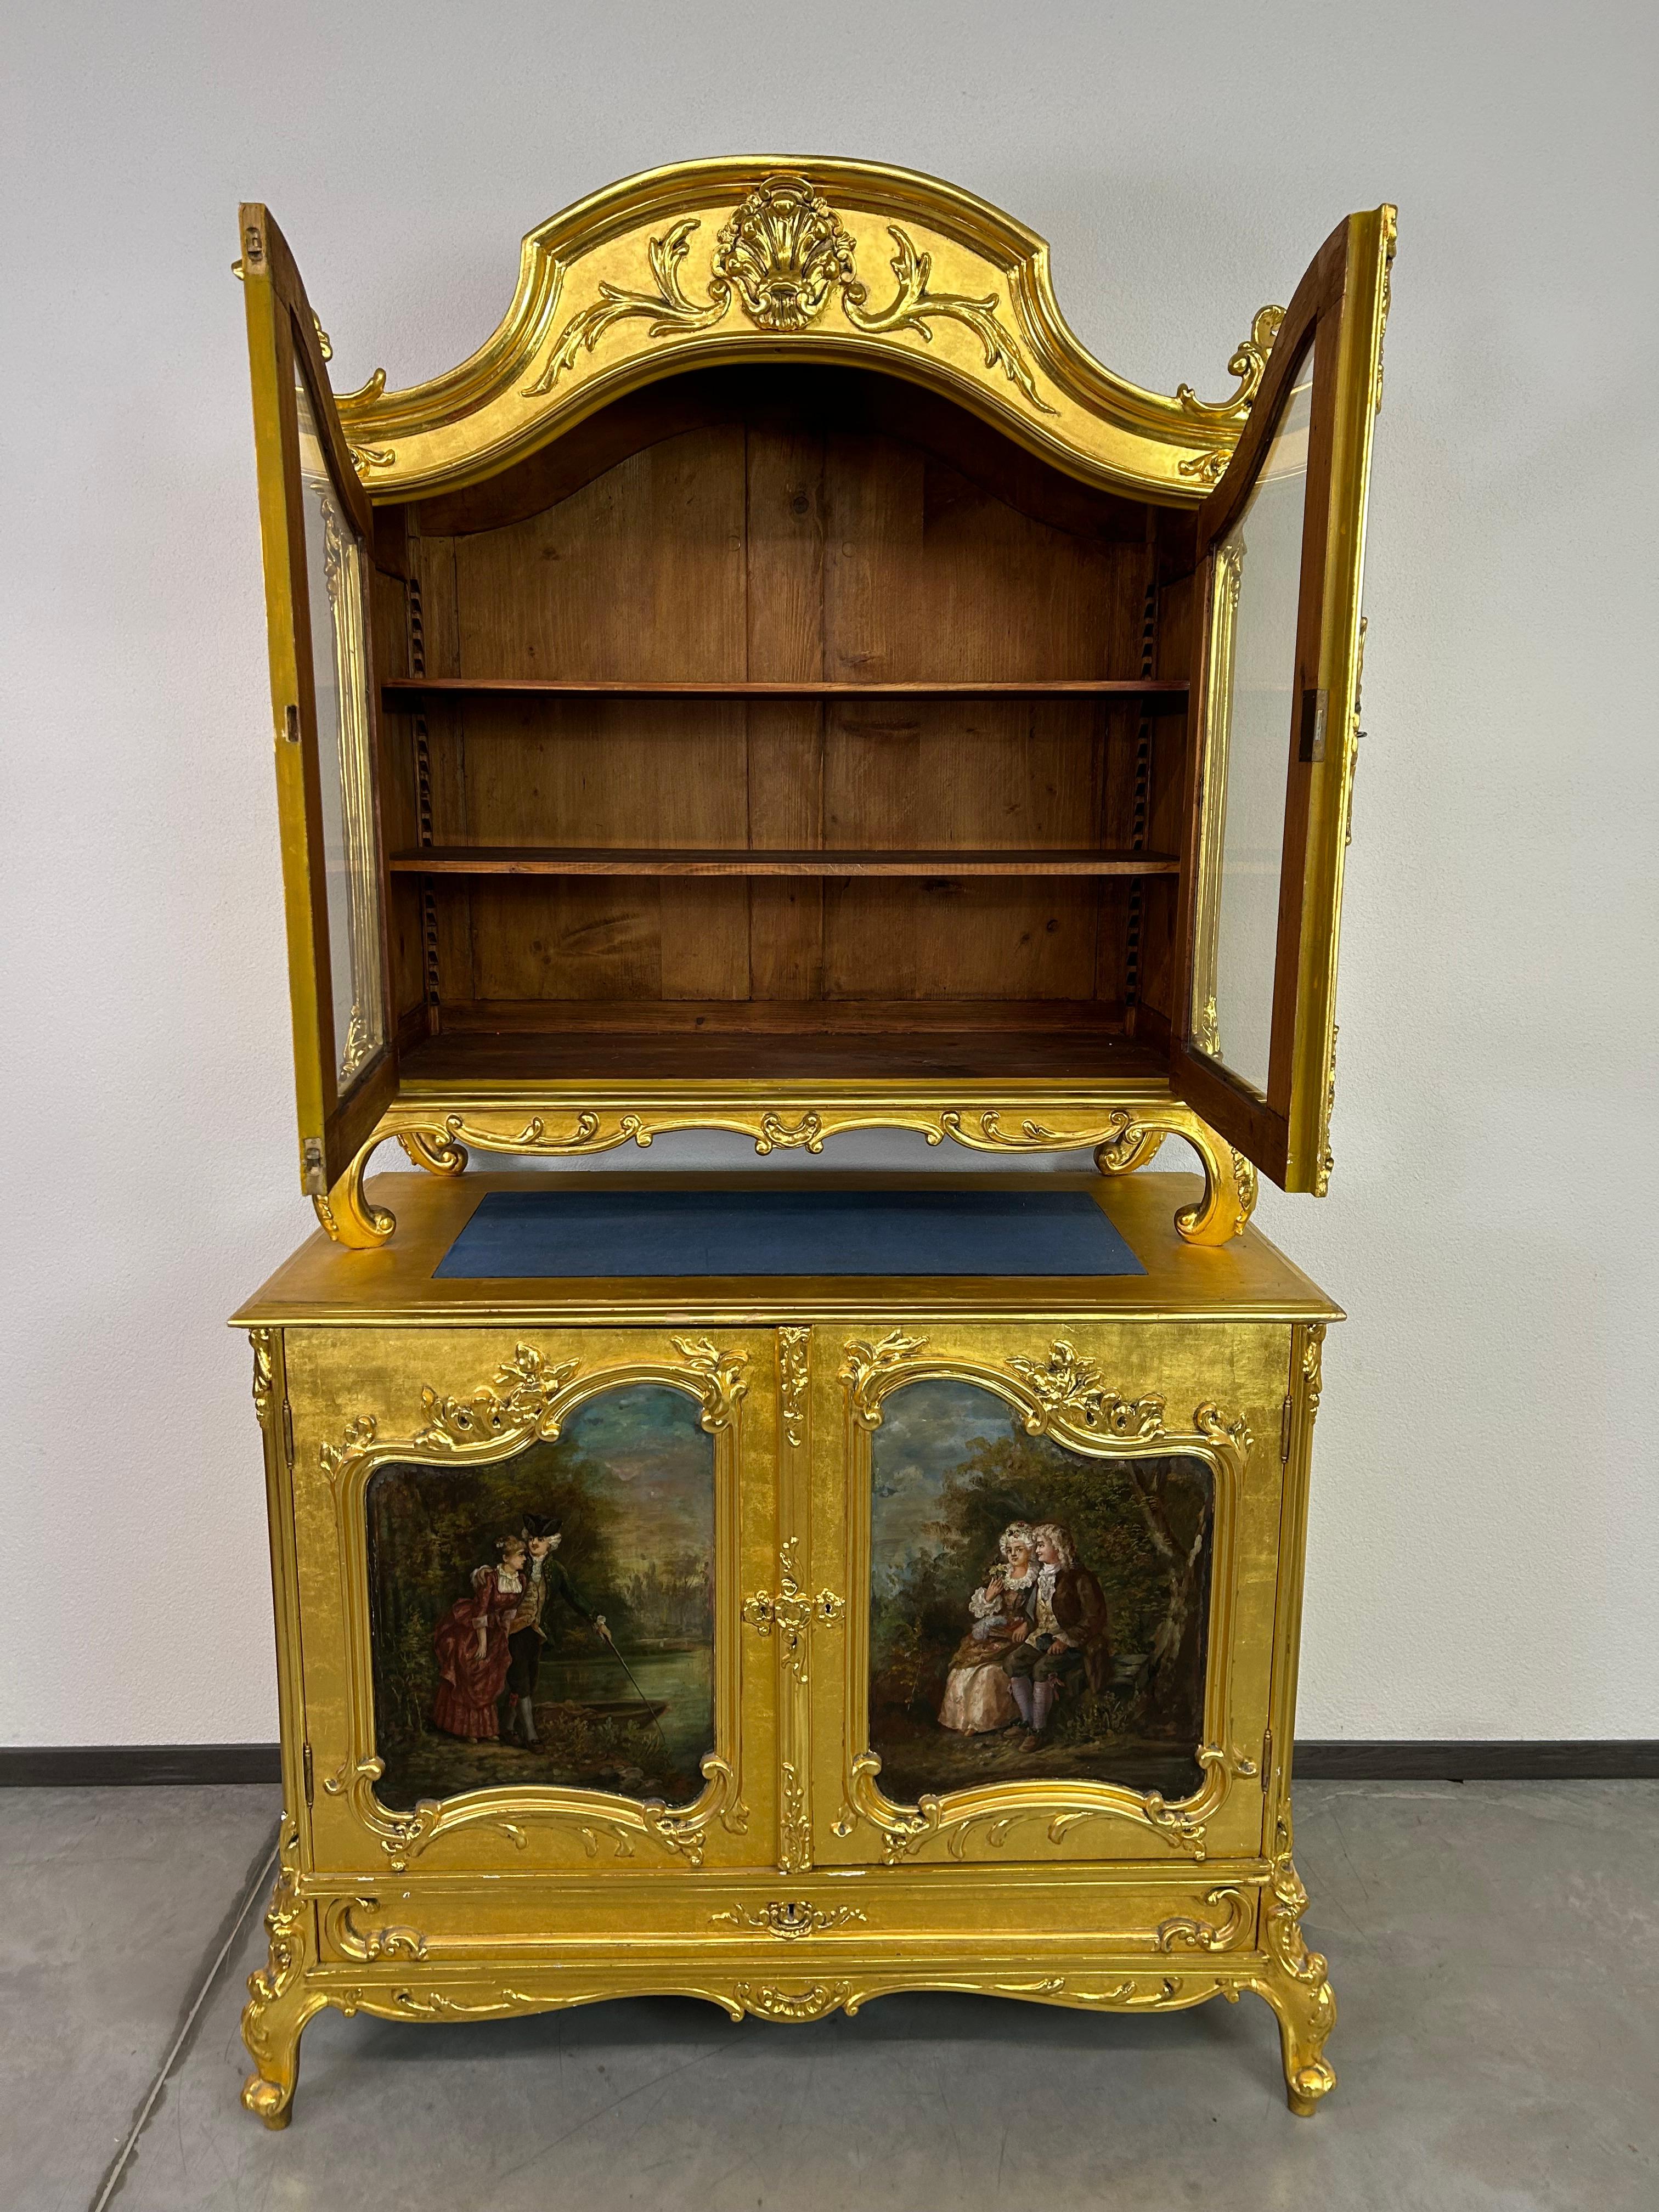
(521, 1233)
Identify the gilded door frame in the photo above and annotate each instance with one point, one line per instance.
(529, 1399)
(1059, 1396)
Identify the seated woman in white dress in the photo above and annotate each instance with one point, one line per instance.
(977, 1697)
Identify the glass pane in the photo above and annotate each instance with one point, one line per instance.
(1258, 578)
(549, 1619)
(336, 579)
(1025, 1623)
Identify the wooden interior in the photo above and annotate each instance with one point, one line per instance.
(783, 720)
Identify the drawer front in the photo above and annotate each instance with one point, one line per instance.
(1029, 1918)
(519, 1560)
(1059, 1549)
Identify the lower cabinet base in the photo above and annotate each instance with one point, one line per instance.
(1241, 1933)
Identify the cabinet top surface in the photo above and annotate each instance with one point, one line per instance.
(322, 1285)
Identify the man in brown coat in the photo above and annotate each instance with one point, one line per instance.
(1065, 1631)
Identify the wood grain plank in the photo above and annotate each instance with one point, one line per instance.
(608, 861)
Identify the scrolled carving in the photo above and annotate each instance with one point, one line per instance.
(867, 1366)
(437, 1154)
(667, 308)
(1230, 1432)
(1067, 1386)
(521, 1404)
(792, 1382)
(1312, 1364)
(1249, 365)
(724, 1381)
(342, 1933)
(356, 1436)
(794, 1821)
(265, 1376)
(433, 2004)
(914, 302)
(813, 2002)
(1227, 1935)
(792, 1919)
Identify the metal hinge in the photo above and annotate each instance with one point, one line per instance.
(1315, 710)
(311, 1160)
(1267, 1756)
(291, 724)
(1287, 1414)
(288, 1434)
(306, 1771)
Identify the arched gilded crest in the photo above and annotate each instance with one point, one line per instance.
(783, 258)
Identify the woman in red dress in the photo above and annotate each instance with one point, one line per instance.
(472, 1643)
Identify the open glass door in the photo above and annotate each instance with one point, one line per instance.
(316, 527)
(1280, 544)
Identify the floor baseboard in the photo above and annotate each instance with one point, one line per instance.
(1573, 1759)
(214, 1765)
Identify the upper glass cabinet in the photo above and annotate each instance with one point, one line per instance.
(1276, 680)
(315, 525)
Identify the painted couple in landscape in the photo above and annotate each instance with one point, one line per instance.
(1038, 1623)
(488, 1645)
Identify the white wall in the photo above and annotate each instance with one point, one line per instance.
(1486, 1513)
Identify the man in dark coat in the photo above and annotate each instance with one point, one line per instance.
(1067, 1631)
(545, 1585)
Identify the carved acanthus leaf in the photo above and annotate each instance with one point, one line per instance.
(867, 1365)
(1068, 1386)
(520, 1403)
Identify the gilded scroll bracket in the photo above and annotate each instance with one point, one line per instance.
(1121, 1138)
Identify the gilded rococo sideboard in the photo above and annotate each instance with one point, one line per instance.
(782, 683)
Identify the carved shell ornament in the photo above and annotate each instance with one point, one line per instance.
(786, 251)
(784, 254)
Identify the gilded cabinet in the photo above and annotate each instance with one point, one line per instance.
(780, 682)
(791, 1863)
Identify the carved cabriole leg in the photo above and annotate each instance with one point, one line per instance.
(279, 2002)
(1297, 1985)
(1230, 1180)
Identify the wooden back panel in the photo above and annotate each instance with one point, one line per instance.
(787, 527)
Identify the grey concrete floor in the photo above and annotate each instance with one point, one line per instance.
(1494, 1946)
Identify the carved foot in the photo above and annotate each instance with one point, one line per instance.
(279, 2003)
(346, 1213)
(1230, 1180)
(1297, 1987)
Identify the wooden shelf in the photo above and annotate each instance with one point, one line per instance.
(553, 860)
(445, 1066)
(397, 691)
